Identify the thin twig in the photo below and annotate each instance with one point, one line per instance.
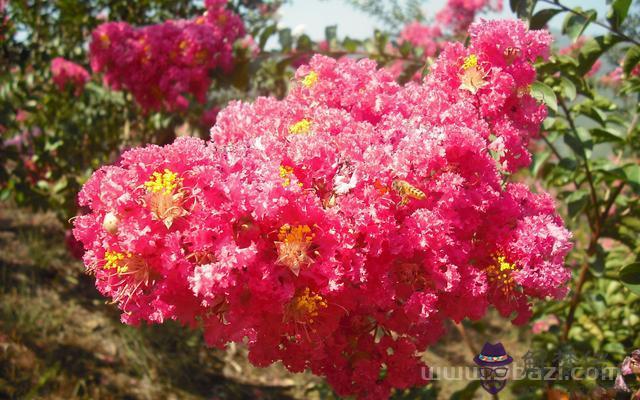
(463, 332)
(592, 189)
(596, 22)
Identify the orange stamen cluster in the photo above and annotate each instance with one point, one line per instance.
(499, 274)
(293, 246)
(305, 307)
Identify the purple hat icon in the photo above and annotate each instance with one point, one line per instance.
(492, 355)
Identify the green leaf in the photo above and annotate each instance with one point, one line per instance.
(577, 21)
(618, 12)
(522, 8)
(266, 34)
(577, 201)
(405, 48)
(331, 33)
(631, 59)
(575, 144)
(605, 135)
(593, 49)
(568, 88)
(597, 261)
(539, 159)
(540, 19)
(304, 43)
(614, 347)
(350, 45)
(630, 277)
(381, 39)
(632, 173)
(285, 39)
(545, 94)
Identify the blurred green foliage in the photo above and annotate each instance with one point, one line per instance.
(588, 158)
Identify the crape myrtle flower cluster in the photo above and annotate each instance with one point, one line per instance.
(337, 229)
(160, 64)
(65, 72)
(454, 18)
(459, 14)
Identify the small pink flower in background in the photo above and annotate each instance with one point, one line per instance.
(249, 43)
(614, 78)
(544, 324)
(66, 72)
(21, 115)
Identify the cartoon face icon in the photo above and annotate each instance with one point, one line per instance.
(493, 362)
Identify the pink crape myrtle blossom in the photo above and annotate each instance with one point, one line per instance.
(162, 64)
(337, 229)
(65, 72)
(614, 78)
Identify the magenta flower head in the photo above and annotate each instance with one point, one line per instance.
(162, 64)
(336, 230)
(65, 72)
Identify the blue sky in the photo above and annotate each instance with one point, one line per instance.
(315, 15)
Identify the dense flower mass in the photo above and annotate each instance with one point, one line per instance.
(65, 72)
(337, 229)
(161, 64)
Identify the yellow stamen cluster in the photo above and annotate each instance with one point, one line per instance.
(166, 181)
(302, 126)
(293, 245)
(132, 270)
(297, 233)
(500, 274)
(105, 40)
(310, 79)
(117, 261)
(285, 174)
(470, 62)
(305, 306)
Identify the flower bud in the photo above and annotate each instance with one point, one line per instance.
(110, 223)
